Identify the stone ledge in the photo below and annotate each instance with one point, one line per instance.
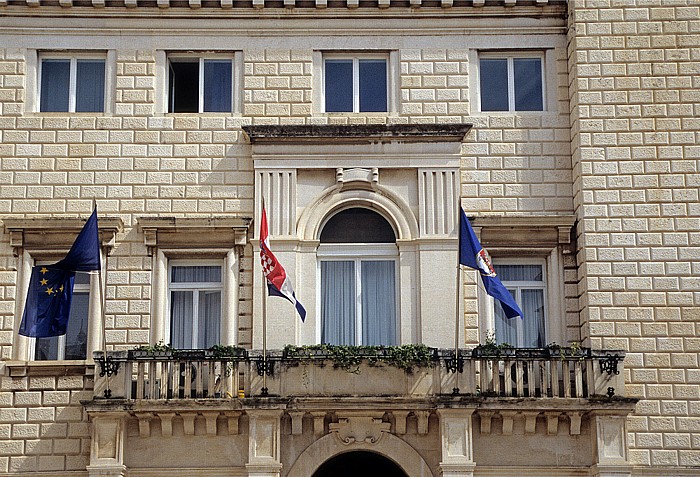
(360, 133)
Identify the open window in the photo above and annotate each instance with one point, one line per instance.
(200, 84)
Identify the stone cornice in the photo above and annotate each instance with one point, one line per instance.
(292, 6)
(47, 233)
(359, 133)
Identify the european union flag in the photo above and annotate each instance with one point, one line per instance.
(473, 255)
(47, 308)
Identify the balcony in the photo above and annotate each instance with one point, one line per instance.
(345, 372)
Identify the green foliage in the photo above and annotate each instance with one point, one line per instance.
(490, 347)
(222, 351)
(349, 358)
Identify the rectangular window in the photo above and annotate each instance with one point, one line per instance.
(200, 85)
(511, 83)
(195, 304)
(526, 283)
(355, 84)
(72, 84)
(358, 302)
(72, 345)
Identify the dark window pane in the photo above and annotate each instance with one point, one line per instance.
(76, 334)
(373, 86)
(90, 86)
(184, 87)
(494, 84)
(46, 349)
(55, 81)
(338, 76)
(218, 78)
(527, 73)
(357, 226)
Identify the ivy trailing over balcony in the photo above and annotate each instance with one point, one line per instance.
(161, 350)
(349, 358)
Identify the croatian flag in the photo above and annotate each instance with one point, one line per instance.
(473, 255)
(278, 283)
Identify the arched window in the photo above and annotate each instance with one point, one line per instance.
(358, 269)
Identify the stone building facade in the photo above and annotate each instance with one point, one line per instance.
(567, 131)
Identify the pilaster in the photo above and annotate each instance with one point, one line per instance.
(610, 447)
(456, 438)
(264, 443)
(107, 447)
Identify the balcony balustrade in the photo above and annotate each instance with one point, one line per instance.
(572, 373)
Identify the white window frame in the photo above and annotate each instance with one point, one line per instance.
(359, 253)
(356, 57)
(195, 287)
(72, 87)
(93, 314)
(200, 59)
(510, 56)
(553, 296)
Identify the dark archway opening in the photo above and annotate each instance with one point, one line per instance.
(359, 464)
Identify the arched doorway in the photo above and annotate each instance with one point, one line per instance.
(359, 463)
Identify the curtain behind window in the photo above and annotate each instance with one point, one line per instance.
(338, 302)
(528, 332)
(208, 304)
(378, 303)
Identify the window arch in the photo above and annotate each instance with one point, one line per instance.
(358, 279)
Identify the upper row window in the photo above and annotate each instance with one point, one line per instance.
(511, 83)
(73, 85)
(200, 85)
(355, 84)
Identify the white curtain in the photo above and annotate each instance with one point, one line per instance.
(378, 303)
(338, 299)
(209, 318)
(528, 332)
(181, 315)
(199, 299)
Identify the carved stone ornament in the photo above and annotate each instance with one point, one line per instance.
(357, 429)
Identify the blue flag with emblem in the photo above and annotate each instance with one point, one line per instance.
(473, 255)
(47, 308)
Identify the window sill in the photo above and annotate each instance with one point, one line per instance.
(49, 368)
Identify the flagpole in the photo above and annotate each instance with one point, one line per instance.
(458, 294)
(263, 391)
